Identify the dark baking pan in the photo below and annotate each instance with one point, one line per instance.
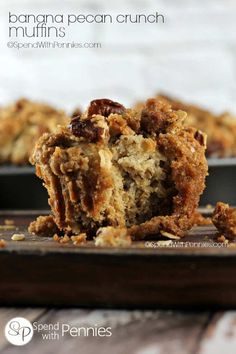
(221, 182)
(21, 189)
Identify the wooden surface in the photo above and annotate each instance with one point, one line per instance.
(42, 272)
(133, 332)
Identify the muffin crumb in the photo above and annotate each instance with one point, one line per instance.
(79, 239)
(224, 219)
(43, 226)
(110, 236)
(222, 239)
(9, 222)
(2, 243)
(18, 237)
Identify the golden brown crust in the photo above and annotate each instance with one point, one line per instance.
(136, 169)
(21, 124)
(220, 129)
(224, 219)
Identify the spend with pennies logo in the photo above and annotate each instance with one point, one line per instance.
(19, 331)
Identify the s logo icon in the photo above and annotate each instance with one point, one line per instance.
(19, 331)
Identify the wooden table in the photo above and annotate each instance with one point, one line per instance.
(135, 331)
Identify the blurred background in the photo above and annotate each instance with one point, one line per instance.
(192, 56)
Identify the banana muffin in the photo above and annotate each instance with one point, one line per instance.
(21, 124)
(220, 129)
(141, 170)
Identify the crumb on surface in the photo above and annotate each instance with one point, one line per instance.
(224, 219)
(222, 239)
(18, 237)
(2, 243)
(110, 236)
(7, 227)
(79, 239)
(9, 222)
(209, 206)
(61, 239)
(56, 237)
(64, 239)
(43, 226)
(169, 235)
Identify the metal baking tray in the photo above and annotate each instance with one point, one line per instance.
(221, 182)
(21, 189)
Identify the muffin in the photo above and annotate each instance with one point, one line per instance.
(220, 129)
(139, 170)
(21, 124)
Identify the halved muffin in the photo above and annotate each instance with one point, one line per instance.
(140, 170)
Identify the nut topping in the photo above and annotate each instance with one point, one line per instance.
(86, 129)
(105, 107)
(200, 137)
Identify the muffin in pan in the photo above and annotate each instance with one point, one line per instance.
(21, 124)
(141, 170)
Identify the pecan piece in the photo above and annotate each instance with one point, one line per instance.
(86, 129)
(105, 107)
(200, 137)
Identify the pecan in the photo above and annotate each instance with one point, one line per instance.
(199, 136)
(86, 129)
(105, 107)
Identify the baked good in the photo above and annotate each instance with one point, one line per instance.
(224, 219)
(220, 129)
(44, 226)
(136, 169)
(112, 237)
(21, 124)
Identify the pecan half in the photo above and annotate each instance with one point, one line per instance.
(105, 107)
(86, 129)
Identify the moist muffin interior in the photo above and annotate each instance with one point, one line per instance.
(141, 171)
(124, 183)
